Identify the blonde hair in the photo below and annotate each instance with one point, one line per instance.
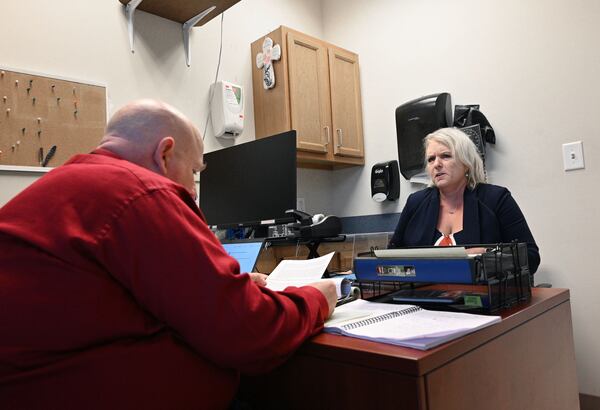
(463, 149)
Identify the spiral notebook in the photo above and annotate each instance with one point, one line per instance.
(403, 325)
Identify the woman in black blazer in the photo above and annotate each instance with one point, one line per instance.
(460, 208)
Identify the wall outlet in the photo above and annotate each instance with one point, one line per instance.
(300, 205)
(573, 156)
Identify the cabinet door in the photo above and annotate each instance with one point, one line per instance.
(346, 111)
(309, 92)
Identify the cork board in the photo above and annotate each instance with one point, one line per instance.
(40, 112)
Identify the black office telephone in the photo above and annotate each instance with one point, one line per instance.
(309, 226)
(474, 123)
(474, 133)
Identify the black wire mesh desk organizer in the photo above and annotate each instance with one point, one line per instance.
(493, 280)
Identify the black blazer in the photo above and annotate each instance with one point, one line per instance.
(490, 215)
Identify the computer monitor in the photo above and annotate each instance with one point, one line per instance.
(250, 184)
(414, 121)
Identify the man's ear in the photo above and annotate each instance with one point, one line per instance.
(163, 154)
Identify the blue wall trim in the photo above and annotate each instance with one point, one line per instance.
(370, 223)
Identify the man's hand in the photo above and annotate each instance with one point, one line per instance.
(259, 278)
(327, 288)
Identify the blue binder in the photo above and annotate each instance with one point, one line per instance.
(436, 270)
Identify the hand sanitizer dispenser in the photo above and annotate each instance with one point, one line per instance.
(227, 109)
(385, 181)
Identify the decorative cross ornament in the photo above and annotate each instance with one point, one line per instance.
(265, 60)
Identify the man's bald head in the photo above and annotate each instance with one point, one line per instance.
(156, 136)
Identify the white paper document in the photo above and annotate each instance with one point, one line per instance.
(415, 253)
(403, 325)
(303, 272)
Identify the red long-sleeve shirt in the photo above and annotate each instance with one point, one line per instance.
(115, 294)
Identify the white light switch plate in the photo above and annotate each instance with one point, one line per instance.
(573, 156)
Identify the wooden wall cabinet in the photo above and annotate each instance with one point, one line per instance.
(316, 93)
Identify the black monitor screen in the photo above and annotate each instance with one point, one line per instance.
(248, 183)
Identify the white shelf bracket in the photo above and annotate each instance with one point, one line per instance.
(130, 10)
(187, 28)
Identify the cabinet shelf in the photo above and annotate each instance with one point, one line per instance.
(189, 13)
(183, 10)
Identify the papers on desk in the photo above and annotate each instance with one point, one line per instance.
(416, 253)
(403, 325)
(303, 272)
(439, 252)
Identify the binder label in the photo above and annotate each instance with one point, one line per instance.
(405, 271)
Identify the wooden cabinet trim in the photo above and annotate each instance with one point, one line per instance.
(347, 121)
(316, 141)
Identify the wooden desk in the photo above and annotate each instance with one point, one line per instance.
(525, 362)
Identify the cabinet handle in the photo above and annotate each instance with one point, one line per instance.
(340, 137)
(327, 134)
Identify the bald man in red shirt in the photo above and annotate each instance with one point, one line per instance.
(114, 293)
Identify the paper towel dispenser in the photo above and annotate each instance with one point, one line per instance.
(414, 121)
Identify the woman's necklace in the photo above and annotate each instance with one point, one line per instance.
(452, 211)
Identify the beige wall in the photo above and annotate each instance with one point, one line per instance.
(11, 183)
(533, 66)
